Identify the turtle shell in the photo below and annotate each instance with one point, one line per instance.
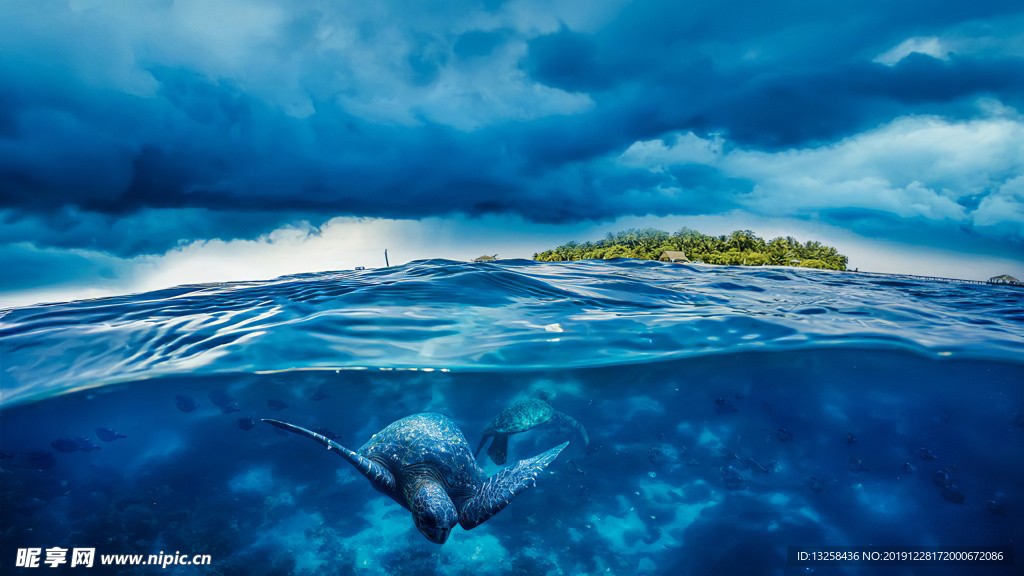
(426, 444)
(520, 417)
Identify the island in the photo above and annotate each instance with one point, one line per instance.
(741, 248)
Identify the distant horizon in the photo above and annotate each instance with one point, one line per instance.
(230, 262)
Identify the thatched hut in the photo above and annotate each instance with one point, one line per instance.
(1004, 279)
(673, 256)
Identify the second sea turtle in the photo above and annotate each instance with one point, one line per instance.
(521, 416)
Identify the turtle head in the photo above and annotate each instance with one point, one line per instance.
(434, 512)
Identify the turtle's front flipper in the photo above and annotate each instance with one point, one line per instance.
(566, 421)
(377, 475)
(498, 490)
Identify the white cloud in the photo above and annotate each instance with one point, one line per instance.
(362, 55)
(1004, 209)
(1000, 36)
(917, 166)
(465, 96)
(687, 148)
(929, 46)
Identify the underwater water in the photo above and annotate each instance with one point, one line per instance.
(731, 413)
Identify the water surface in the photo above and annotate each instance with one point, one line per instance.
(731, 412)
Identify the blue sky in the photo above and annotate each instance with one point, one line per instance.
(150, 143)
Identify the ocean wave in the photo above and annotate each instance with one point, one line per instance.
(506, 315)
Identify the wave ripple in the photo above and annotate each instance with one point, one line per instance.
(513, 314)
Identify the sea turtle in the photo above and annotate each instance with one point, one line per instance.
(424, 463)
(520, 417)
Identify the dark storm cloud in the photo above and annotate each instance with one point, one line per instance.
(133, 131)
(823, 89)
(29, 267)
(146, 231)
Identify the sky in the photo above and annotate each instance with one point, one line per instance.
(151, 143)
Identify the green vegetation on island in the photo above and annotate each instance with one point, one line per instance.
(741, 248)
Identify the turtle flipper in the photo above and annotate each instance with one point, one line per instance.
(483, 440)
(498, 490)
(379, 476)
(566, 421)
(499, 449)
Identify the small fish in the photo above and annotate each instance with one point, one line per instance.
(942, 478)
(326, 433)
(953, 494)
(657, 456)
(85, 444)
(184, 403)
(850, 438)
(41, 460)
(108, 435)
(66, 445)
(816, 485)
(224, 401)
(996, 507)
(246, 423)
(574, 466)
(723, 406)
(926, 454)
(909, 468)
(732, 478)
(784, 435)
(320, 395)
(276, 405)
(856, 465)
(5, 455)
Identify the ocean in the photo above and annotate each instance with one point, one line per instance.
(730, 413)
